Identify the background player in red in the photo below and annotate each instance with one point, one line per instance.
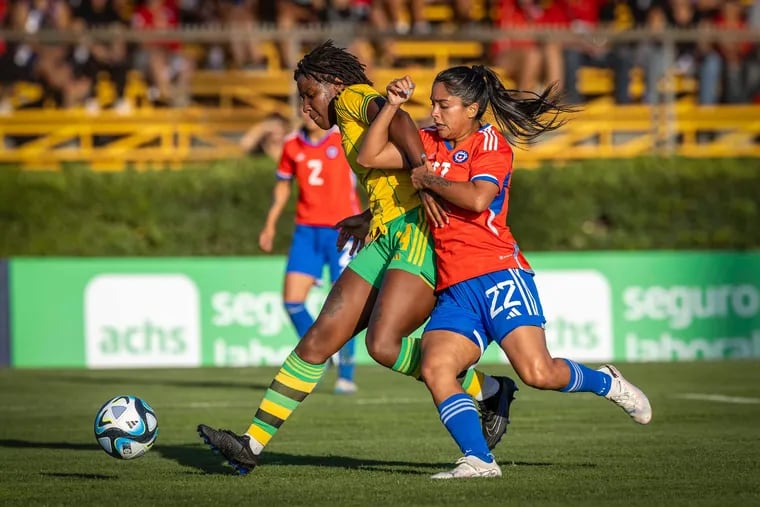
(485, 285)
(314, 158)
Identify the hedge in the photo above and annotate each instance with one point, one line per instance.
(219, 208)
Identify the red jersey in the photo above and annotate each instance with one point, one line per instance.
(474, 243)
(164, 17)
(517, 14)
(326, 184)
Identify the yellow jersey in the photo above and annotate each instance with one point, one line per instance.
(389, 191)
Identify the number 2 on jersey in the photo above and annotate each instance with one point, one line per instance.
(315, 172)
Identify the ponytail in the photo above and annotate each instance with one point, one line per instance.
(522, 120)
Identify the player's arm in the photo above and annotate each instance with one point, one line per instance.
(471, 195)
(392, 141)
(280, 196)
(400, 129)
(376, 149)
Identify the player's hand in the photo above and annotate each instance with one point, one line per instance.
(399, 90)
(266, 240)
(435, 210)
(355, 228)
(421, 173)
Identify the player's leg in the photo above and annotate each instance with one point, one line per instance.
(403, 304)
(302, 271)
(296, 287)
(405, 300)
(344, 313)
(337, 262)
(446, 352)
(525, 346)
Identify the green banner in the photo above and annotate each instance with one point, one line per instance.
(189, 312)
(665, 306)
(182, 312)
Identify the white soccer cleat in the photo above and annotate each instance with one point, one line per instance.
(345, 386)
(470, 466)
(627, 396)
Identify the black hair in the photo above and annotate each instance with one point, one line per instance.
(520, 119)
(330, 64)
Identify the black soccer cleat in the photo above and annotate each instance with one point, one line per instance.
(233, 447)
(494, 411)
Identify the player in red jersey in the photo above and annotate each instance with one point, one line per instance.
(485, 286)
(314, 158)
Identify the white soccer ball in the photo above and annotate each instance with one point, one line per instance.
(126, 427)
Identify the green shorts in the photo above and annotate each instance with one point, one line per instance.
(408, 245)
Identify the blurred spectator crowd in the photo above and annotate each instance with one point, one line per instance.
(726, 72)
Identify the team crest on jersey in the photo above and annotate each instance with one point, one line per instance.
(461, 156)
(332, 152)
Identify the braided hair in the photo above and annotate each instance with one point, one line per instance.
(522, 120)
(330, 64)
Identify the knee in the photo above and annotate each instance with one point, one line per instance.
(438, 376)
(311, 348)
(382, 348)
(429, 371)
(541, 375)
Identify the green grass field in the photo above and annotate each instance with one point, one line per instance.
(379, 446)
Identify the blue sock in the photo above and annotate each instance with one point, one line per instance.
(299, 316)
(346, 356)
(584, 379)
(461, 418)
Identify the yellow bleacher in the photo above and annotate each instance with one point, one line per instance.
(169, 138)
(439, 54)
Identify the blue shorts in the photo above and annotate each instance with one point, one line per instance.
(312, 248)
(487, 308)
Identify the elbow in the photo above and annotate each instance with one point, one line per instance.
(479, 205)
(363, 160)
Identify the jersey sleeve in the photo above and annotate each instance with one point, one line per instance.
(286, 168)
(353, 102)
(492, 160)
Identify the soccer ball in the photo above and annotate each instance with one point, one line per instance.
(126, 427)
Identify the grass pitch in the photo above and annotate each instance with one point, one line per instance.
(379, 446)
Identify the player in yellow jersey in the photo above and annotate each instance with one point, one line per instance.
(387, 288)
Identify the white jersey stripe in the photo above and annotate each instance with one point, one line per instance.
(481, 341)
(529, 298)
(516, 277)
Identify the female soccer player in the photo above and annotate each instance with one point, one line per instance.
(387, 289)
(491, 296)
(314, 158)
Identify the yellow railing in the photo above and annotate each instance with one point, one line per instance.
(170, 138)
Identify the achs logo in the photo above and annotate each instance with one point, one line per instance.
(142, 320)
(461, 156)
(332, 152)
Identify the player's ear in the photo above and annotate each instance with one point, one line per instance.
(338, 86)
(472, 110)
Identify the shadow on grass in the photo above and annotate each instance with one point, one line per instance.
(204, 460)
(60, 475)
(135, 380)
(22, 444)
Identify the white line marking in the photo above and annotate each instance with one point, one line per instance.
(719, 398)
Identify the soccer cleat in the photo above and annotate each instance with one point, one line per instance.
(627, 396)
(470, 466)
(345, 386)
(234, 448)
(494, 411)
